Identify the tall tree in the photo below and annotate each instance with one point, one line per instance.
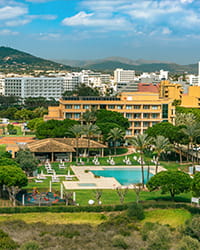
(196, 184)
(76, 131)
(192, 132)
(90, 130)
(185, 119)
(141, 142)
(174, 182)
(13, 178)
(116, 134)
(27, 161)
(160, 145)
(89, 117)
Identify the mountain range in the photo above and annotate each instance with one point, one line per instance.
(140, 65)
(12, 60)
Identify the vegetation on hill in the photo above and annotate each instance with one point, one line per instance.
(111, 231)
(12, 60)
(147, 67)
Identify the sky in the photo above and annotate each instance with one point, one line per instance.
(165, 30)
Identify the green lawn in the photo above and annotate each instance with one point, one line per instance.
(3, 148)
(172, 217)
(110, 197)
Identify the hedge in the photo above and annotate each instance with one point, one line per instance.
(105, 208)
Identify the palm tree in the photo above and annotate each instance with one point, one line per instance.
(76, 131)
(184, 119)
(91, 130)
(116, 134)
(192, 132)
(141, 142)
(160, 145)
(89, 117)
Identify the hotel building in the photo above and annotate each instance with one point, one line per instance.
(143, 110)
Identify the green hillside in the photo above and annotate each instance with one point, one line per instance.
(172, 67)
(12, 60)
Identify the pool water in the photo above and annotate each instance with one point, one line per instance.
(125, 176)
(87, 184)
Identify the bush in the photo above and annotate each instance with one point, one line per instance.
(135, 211)
(68, 233)
(188, 243)
(118, 241)
(6, 242)
(193, 227)
(159, 238)
(30, 245)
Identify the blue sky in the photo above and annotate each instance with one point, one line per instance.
(166, 30)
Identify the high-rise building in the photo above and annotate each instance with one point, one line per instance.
(124, 76)
(34, 87)
(2, 86)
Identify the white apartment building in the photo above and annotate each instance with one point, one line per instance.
(124, 76)
(34, 87)
(194, 80)
(2, 86)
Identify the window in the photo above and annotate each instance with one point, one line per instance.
(119, 106)
(111, 106)
(137, 116)
(146, 115)
(68, 106)
(128, 115)
(68, 115)
(77, 115)
(146, 107)
(154, 116)
(136, 131)
(137, 106)
(146, 124)
(128, 132)
(154, 123)
(165, 111)
(85, 106)
(76, 106)
(128, 107)
(155, 107)
(137, 124)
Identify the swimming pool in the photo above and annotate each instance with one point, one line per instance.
(125, 176)
(86, 184)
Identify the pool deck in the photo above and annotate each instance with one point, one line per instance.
(89, 181)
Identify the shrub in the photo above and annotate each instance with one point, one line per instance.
(6, 242)
(193, 227)
(188, 243)
(124, 232)
(30, 245)
(159, 237)
(135, 211)
(118, 241)
(68, 233)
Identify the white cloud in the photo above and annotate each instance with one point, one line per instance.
(43, 17)
(9, 12)
(38, 1)
(6, 32)
(92, 20)
(12, 23)
(81, 18)
(49, 36)
(166, 31)
(187, 1)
